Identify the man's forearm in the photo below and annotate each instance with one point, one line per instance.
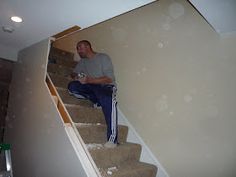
(99, 80)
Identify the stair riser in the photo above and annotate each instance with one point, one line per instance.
(107, 157)
(62, 61)
(81, 114)
(60, 70)
(58, 53)
(98, 134)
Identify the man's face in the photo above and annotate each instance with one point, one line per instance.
(82, 50)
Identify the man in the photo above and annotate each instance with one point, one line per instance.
(94, 80)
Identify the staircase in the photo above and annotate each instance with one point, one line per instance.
(122, 161)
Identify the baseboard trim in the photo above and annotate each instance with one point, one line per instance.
(146, 154)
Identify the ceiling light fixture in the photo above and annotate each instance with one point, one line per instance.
(16, 19)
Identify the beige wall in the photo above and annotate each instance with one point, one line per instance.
(40, 145)
(176, 82)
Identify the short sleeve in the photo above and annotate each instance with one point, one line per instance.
(108, 67)
(78, 67)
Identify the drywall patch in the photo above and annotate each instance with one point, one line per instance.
(171, 113)
(176, 10)
(160, 45)
(162, 104)
(43, 66)
(27, 79)
(188, 98)
(166, 26)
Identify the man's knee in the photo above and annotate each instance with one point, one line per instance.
(73, 86)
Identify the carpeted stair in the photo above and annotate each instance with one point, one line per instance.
(122, 161)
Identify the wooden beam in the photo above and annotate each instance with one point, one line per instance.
(66, 32)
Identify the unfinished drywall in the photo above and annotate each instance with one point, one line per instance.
(8, 52)
(176, 85)
(40, 146)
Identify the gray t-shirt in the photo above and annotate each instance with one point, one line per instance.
(98, 66)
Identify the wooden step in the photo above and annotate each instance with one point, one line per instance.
(82, 114)
(123, 153)
(97, 133)
(134, 169)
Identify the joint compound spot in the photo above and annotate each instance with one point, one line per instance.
(188, 98)
(166, 26)
(162, 104)
(160, 45)
(43, 66)
(10, 126)
(176, 10)
(138, 72)
(27, 79)
(144, 69)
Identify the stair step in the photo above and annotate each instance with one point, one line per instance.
(97, 133)
(61, 56)
(70, 99)
(107, 157)
(59, 81)
(59, 69)
(134, 169)
(82, 114)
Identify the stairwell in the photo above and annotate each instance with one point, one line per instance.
(122, 161)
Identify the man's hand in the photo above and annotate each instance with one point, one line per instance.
(74, 76)
(84, 80)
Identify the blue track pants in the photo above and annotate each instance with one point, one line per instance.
(104, 96)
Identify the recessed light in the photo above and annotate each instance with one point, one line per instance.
(16, 19)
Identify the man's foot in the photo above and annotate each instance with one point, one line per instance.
(110, 144)
(76, 95)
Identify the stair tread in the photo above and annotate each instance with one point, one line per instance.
(83, 114)
(134, 169)
(72, 100)
(97, 132)
(105, 157)
(59, 81)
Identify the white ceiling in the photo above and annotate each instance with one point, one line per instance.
(220, 14)
(44, 18)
